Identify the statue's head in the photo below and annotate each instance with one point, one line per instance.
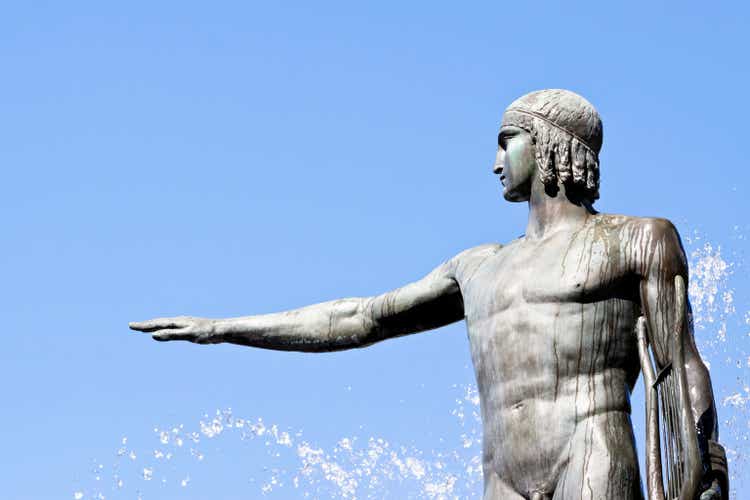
(557, 133)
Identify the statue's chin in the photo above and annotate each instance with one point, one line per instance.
(514, 196)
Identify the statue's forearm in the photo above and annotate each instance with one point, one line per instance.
(329, 326)
(702, 405)
(702, 399)
(703, 408)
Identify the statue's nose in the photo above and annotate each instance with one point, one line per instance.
(499, 162)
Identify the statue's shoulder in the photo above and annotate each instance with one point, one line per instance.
(631, 226)
(643, 238)
(479, 252)
(469, 261)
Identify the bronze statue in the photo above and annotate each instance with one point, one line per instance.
(560, 323)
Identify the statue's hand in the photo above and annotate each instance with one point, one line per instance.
(713, 492)
(198, 330)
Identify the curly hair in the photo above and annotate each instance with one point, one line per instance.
(567, 134)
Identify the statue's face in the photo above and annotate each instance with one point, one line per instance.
(515, 163)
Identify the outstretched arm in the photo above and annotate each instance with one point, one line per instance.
(664, 259)
(431, 302)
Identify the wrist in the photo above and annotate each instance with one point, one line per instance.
(219, 329)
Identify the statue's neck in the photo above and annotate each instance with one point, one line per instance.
(549, 214)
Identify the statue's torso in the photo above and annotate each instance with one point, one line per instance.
(550, 325)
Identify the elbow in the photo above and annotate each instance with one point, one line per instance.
(362, 326)
(350, 325)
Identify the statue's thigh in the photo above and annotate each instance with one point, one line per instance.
(602, 462)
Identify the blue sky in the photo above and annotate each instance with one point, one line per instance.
(235, 158)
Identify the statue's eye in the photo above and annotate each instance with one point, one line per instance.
(505, 137)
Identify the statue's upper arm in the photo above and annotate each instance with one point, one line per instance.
(428, 303)
(660, 258)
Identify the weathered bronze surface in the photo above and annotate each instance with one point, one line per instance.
(551, 319)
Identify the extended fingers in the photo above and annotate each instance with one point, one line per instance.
(173, 334)
(153, 325)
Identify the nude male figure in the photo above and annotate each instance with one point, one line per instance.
(550, 317)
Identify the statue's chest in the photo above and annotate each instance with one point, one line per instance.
(556, 271)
